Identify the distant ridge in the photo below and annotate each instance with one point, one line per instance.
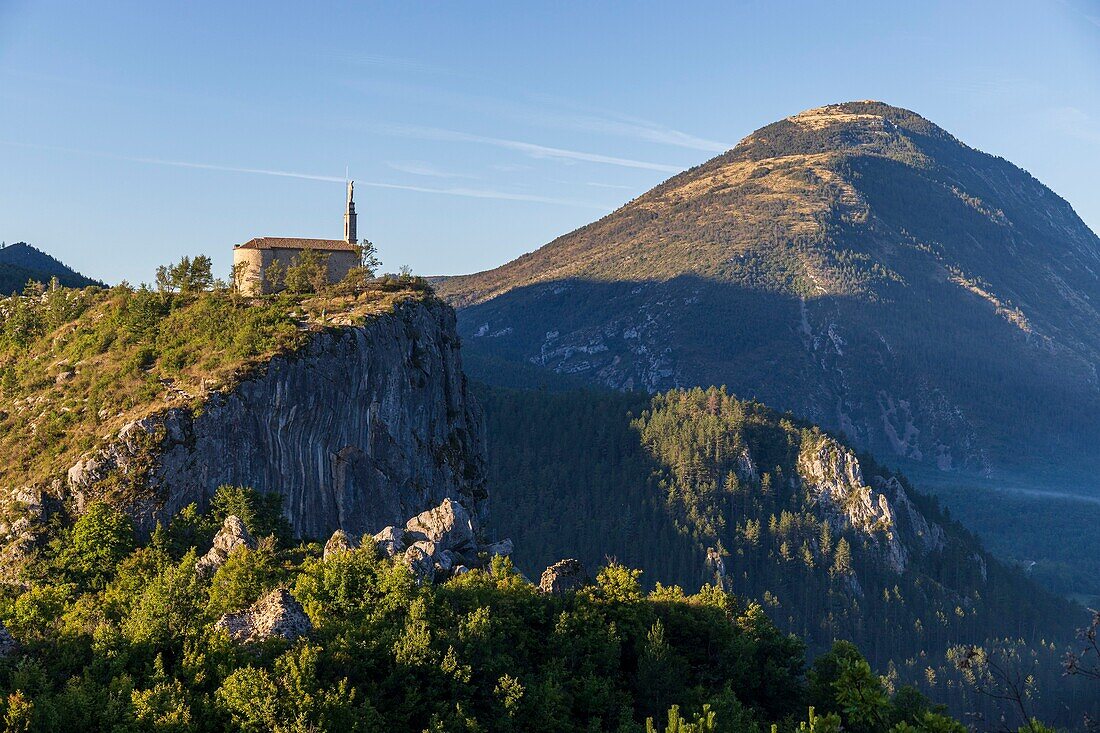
(21, 263)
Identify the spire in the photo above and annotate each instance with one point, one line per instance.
(349, 216)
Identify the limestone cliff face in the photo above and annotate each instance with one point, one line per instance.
(362, 428)
(883, 513)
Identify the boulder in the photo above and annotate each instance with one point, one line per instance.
(278, 614)
(448, 525)
(340, 542)
(504, 547)
(420, 558)
(563, 576)
(232, 535)
(8, 644)
(390, 541)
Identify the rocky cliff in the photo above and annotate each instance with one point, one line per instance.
(361, 428)
(834, 479)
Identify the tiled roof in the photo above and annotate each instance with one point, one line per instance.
(326, 245)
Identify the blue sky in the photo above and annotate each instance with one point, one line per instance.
(134, 133)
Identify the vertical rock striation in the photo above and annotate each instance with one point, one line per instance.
(362, 428)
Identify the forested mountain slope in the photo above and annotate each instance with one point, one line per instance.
(696, 486)
(20, 263)
(855, 264)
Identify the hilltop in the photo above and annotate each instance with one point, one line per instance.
(79, 365)
(855, 264)
(21, 263)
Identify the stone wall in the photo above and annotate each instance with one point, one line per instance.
(254, 263)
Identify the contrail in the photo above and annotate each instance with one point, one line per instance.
(477, 193)
(462, 192)
(233, 169)
(173, 163)
(530, 149)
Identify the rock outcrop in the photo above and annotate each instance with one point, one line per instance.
(925, 537)
(390, 541)
(421, 559)
(563, 577)
(438, 543)
(884, 514)
(503, 548)
(233, 534)
(361, 428)
(25, 512)
(717, 563)
(834, 478)
(448, 525)
(340, 542)
(278, 614)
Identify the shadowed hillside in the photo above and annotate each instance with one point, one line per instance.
(855, 264)
(695, 486)
(21, 263)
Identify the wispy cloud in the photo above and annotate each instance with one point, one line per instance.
(546, 111)
(461, 192)
(608, 185)
(363, 60)
(509, 167)
(636, 129)
(663, 135)
(234, 169)
(1094, 19)
(424, 169)
(175, 163)
(593, 184)
(476, 193)
(1076, 123)
(529, 149)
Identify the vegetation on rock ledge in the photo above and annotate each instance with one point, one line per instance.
(77, 365)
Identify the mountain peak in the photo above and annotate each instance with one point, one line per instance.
(858, 113)
(848, 246)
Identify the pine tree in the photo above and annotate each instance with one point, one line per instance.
(842, 560)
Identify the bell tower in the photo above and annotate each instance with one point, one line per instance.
(349, 216)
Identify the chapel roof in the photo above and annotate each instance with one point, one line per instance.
(324, 245)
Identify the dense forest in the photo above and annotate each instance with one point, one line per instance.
(662, 484)
(117, 635)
